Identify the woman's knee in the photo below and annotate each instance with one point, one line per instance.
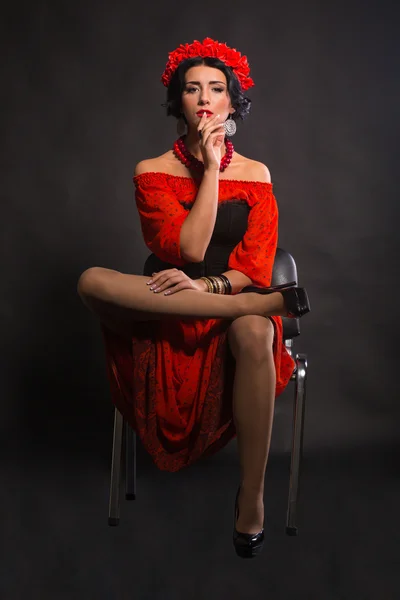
(89, 281)
(251, 336)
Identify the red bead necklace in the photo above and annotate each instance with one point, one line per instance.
(190, 161)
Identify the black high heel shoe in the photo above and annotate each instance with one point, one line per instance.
(247, 545)
(295, 298)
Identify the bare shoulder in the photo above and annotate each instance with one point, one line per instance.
(144, 166)
(148, 164)
(248, 169)
(165, 163)
(259, 171)
(255, 170)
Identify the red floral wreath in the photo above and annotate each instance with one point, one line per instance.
(208, 47)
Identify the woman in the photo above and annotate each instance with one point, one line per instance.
(192, 361)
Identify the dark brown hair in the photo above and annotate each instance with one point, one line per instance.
(239, 101)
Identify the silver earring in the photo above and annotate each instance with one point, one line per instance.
(181, 127)
(230, 126)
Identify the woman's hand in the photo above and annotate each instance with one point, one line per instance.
(174, 281)
(212, 135)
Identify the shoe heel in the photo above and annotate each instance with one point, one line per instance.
(296, 302)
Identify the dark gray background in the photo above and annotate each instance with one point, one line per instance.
(81, 105)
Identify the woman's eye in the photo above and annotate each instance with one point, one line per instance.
(190, 90)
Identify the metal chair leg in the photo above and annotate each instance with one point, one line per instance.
(297, 442)
(113, 509)
(130, 462)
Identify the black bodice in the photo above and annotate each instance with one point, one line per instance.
(230, 227)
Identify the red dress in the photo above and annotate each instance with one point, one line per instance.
(173, 381)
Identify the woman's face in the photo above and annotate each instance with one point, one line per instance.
(205, 90)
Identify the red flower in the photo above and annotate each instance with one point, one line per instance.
(208, 47)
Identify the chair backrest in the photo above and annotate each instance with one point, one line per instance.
(284, 271)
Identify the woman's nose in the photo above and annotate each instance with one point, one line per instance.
(204, 99)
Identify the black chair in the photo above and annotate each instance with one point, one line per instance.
(284, 271)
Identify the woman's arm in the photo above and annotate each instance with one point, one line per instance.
(199, 225)
(238, 281)
(170, 231)
(258, 172)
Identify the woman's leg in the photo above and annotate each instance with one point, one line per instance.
(250, 339)
(98, 286)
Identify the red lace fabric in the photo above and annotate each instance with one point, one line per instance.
(173, 381)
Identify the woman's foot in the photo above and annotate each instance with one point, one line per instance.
(266, 305)
(291, 302)
(251, 511)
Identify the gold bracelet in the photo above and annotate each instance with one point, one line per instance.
(214, 285)
(223, 283)
(208, 283)
(220, 285)
(217, 283)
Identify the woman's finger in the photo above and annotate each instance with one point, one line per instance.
(161, 283)
(217, 127)
(209, 139)
(156, 276)
(173, 280)
(184, 285)
(207, 123)
(211, 127)
(201, 124)
(218, 130)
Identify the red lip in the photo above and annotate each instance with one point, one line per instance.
(200, 113)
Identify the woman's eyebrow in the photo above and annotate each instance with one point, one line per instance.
(198, 82)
